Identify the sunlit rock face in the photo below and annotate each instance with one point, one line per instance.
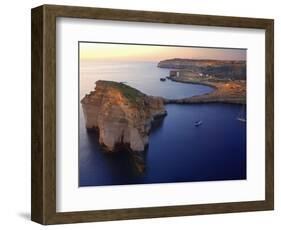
(122, 115)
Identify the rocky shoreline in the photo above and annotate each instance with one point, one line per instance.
(233, 92)
(227, 78)
(221, 69)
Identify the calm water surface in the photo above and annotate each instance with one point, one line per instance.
(144, 76)
(178, 151)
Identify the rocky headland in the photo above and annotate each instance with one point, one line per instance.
(122, 115)
(233, 92)
(227, 78)
(221, 69)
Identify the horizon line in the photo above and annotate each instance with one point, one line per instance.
(151, 44)
(197, 59)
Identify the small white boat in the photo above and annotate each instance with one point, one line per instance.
(241, 119)
(242, 115)
(197, 123)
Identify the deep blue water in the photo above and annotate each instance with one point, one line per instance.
(178, 150)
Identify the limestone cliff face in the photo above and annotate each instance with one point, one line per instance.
(122, 115)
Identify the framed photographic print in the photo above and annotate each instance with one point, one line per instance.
(141, 114)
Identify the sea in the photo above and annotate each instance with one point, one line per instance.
(178, 150)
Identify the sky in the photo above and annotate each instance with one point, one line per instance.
(127, 52)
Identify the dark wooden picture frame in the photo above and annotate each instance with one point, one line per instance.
(43, 188)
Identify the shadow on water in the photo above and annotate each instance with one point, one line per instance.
(111, 159)
(123, 161)
(157, 125)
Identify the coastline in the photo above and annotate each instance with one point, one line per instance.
(231, 92)
(226, 77)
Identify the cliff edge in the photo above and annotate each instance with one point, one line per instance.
(122, 115)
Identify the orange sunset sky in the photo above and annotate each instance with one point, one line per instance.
(127, 52)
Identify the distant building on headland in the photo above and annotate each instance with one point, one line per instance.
(174, 73)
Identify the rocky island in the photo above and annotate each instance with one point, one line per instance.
(121, 114)
(228, 78)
